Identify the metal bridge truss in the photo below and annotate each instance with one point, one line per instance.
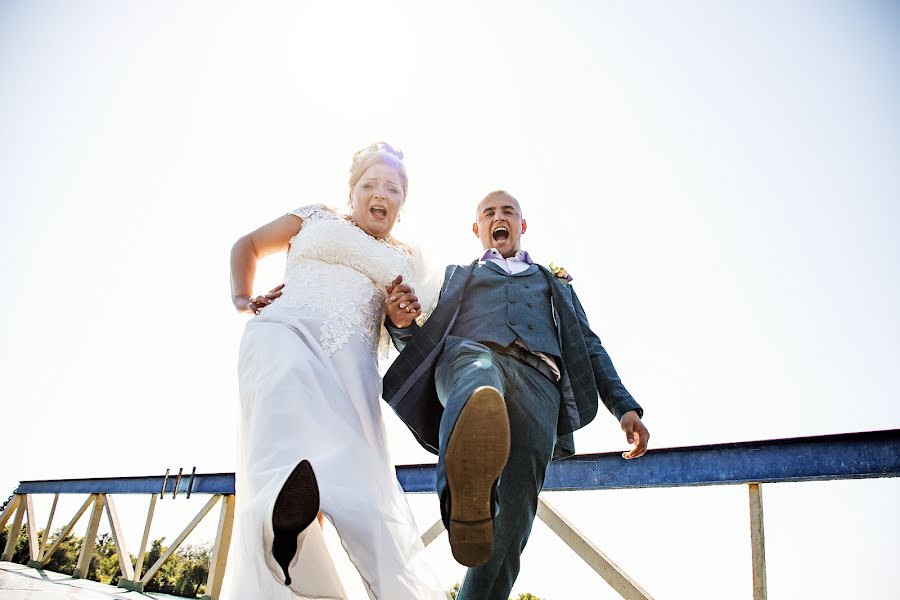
(822, 458)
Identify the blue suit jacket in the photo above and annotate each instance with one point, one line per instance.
(586, 369)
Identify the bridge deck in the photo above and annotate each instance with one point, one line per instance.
(18, 581)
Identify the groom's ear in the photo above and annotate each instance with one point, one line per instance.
(524, 225)
(475, 229)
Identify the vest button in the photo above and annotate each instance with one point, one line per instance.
(512, 322)
(530, 305)
(512, 301)
(530, 326)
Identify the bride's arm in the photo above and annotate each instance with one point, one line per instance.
(268, 239)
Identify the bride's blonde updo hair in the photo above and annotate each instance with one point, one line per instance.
(378, 152)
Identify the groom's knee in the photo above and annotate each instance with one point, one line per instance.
(463, 366)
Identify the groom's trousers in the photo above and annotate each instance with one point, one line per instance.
(532, 401)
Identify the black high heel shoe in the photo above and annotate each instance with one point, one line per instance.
(295, 509)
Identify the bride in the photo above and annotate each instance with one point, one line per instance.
(311, 434)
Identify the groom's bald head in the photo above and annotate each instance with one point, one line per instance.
(504, 197)
(499, 223)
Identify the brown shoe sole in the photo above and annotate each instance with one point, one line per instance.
(476, 454)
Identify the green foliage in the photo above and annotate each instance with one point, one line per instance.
(183, 574)
(192, 570)
(21, 553)
(66, 555)
(105, 564)
(454, 592)
(62, 561)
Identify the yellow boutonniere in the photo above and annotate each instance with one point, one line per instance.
(560, 273)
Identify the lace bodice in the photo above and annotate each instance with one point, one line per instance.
(335, 267)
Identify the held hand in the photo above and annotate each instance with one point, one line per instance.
(389, 288)
(402, 306)
(254, 305)
(636, 433)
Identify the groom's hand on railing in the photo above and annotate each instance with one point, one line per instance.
(636, 433)
(402, 306)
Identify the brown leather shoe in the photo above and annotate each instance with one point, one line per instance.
(476, 455)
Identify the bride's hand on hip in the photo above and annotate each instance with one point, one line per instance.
(254, 305)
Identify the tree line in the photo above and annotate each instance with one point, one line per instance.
(183, 574)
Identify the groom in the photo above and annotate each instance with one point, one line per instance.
(494, 383)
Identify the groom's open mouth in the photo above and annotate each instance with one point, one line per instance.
(500, 234)
(379, 212)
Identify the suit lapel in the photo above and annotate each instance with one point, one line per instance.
(564, 315)
(451, 297)
(557, 289)
(455, 287)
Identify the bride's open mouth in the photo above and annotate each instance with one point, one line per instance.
(500, 234)
(379, 212)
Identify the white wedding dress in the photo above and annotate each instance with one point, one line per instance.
(310, 389)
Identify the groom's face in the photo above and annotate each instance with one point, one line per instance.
(499, 223)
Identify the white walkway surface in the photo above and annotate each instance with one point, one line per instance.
(20, 582)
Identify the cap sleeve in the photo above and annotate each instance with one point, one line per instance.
(314, 212)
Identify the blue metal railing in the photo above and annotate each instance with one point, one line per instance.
(204, 483)
(829, 457)
(842, 456)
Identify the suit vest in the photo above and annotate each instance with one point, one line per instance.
(500, 308)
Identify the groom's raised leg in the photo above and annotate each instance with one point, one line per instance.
(474, 446)
(533, 405)
(477, 451)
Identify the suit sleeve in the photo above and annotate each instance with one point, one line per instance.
(613, 394)
(401, 335)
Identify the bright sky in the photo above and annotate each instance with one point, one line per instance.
(719, 177)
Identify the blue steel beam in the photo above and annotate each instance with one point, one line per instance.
(829, 457)
(209, 483)
(821, 458)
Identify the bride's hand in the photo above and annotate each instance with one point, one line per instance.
(402, 306)
(254, 305)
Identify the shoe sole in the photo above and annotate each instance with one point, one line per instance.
(296, 507)
(476, 455)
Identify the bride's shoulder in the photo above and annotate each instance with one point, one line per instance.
(315, 211)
